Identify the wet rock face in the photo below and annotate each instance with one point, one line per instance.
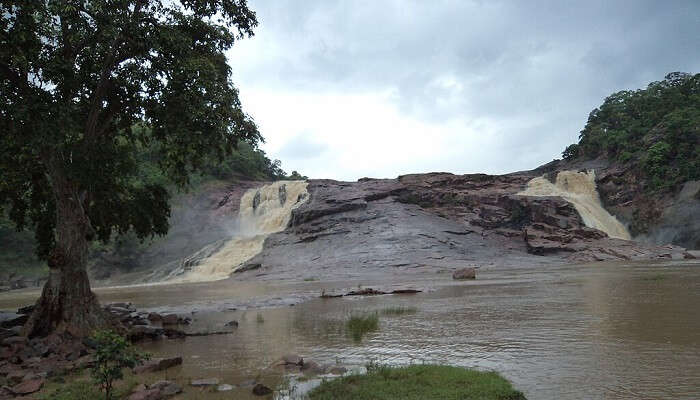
(657, 217)
(432, 222)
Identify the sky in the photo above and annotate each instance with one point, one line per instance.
(351, 89)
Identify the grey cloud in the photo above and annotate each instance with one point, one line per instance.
(300, 147)
(551, 60)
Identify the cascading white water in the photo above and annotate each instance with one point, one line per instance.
(262, 212)
(579, 189)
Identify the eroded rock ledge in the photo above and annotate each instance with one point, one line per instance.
(433, 221)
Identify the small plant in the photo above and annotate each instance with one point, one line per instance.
(260, 318)
(360, 324)
(113, 353)
(310, 279)
(399, 310)
(655, 277)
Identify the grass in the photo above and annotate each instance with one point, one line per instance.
(82, 390)
(655, 277)
(398, 310)
(310, 279)
(358, 325)
(418, 382)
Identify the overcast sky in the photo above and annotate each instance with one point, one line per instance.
(348, 89)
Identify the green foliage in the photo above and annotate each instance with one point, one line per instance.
(418, 382)
(657, 129)
(89, 87)
(358, 325)
(113, 353)
(399, 310)
(295, 176)
(571, 151)
(79, 390)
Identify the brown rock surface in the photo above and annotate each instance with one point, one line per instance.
(431, 222)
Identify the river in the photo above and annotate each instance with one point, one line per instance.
(595, 331)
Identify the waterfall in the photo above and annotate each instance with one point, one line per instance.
(262, 212)
(579, 189)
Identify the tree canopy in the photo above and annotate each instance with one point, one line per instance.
(657, 129)
(86, 84)
(80, 77)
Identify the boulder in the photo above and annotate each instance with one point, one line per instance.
(261, 390)
(293, 359)
(146, 394)
(155, 317)
(205, 382)
(170, 319)
(10, 320)
(26, 309)
(141, 332)
(13, 340)
(464, 273)
(5, 333)
(166, 388)
(28, 387)
(311, 367)
(338, 370)
(16, 376)
(158, 364)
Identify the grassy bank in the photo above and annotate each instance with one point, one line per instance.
(418, 382)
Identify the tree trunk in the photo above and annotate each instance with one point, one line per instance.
(67, 304)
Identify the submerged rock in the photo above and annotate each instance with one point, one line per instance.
(293, 359)
(261, 390)
(464, 273)
(225, 388)
(158, 364)
(205, 382)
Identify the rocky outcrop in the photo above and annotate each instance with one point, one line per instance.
(433, 222)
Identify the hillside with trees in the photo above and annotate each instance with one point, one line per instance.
(656, 130)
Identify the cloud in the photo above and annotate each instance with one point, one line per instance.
(301, 147)
(382, 88)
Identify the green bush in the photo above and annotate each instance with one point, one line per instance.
(113, 354)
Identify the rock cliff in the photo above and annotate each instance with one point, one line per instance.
(427, 223)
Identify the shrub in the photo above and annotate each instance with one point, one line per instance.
(113, 353)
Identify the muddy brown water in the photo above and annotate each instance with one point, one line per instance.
(597, 331)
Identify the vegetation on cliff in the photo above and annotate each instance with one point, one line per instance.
(656, 130)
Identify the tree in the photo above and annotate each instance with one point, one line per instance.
(79, 82)
(113, 353)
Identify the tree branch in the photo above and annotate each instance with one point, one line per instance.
(98, 95)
